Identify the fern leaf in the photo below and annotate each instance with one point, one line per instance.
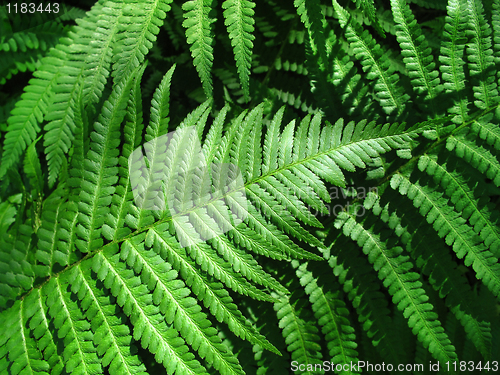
(454, 229)
(16, 259)
(312, 17)
(404, 286)
(47, 253)
(451, 58)
(160, 108)
(487, 129)
(179, 309)
(238, 15)
(111, 337)
(23, 122)
(213, 295)
(23, 353)
(122, 200)
(369, 9)
(79, 351)
(100, 169)
(417, 55)
(33, 169)
(138, 28)
(363, 290)
(69, 58)
(481, 57)
(478, 156)
(149, 324)
(443, 271)
(332, 316)
(481, 216)
(39, 325)
(100, 43)
(300, 333)
(199, 34)
(247, 238)
(390, 95)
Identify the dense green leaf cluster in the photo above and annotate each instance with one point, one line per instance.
(329, 192)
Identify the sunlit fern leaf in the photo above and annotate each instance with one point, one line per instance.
(180, 310)
(46, 340)
(137, 30)
(149, 324)
(25, 357)
(100, 173)
(100, 42)
(212, 294)
(80, 353)
(114, 227)
(239, 20)
(199, 32)
(111, 337)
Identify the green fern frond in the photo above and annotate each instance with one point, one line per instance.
(416, 55)
(137, 30)
(80, 353)
(199, 32)
(453, 228)
(332, 316)
(140, 243)
(405, 287)
(149, 324)
(478, 156)
(300, 333)
(481, 57)
(239, 20)
(375, 61)
(451, 58)
(111, 337)
(443, 271)
(369, 10)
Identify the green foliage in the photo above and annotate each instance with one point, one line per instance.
(310, 184)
